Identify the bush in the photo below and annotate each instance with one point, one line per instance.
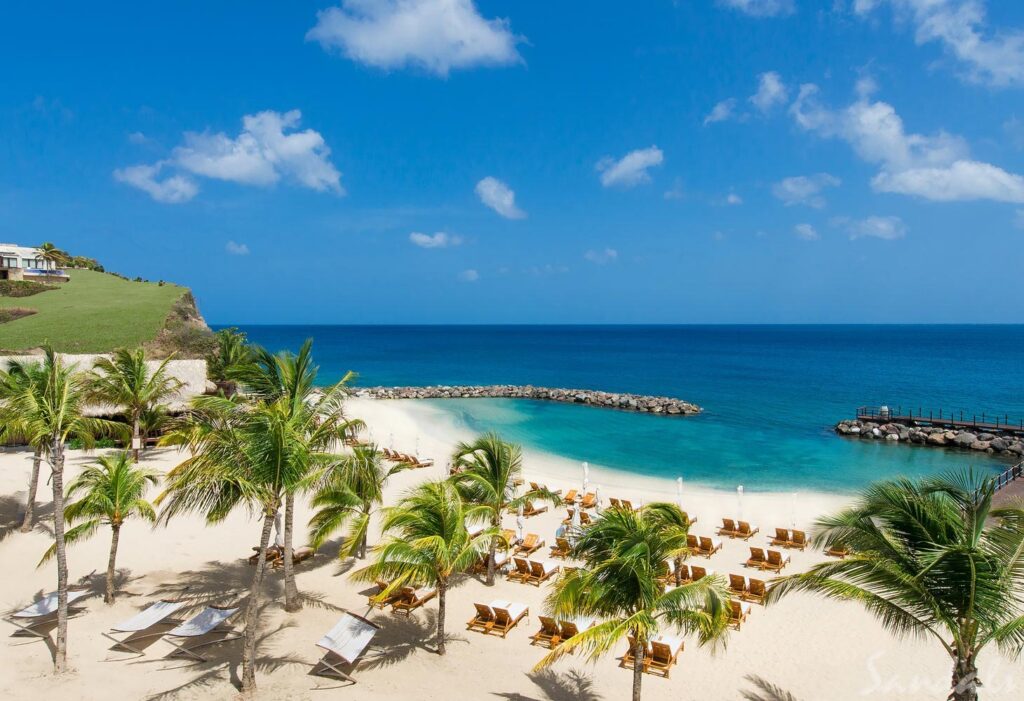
(22, 288)
(77, 444)
(12, 313)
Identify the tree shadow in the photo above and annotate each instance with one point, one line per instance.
(400, 637)
(558, 686)
(765, 690)
(12, 514)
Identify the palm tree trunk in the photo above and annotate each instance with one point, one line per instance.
(291, 589)
(441, 587)
(965, 680)
(252, 610)
(33, 484)
(679, 571)
(638, 667)
(496, 523)
(60, 655)
(111, 564)
(136, 438)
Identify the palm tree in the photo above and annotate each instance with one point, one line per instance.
(124, 380)
(229, 360)
(624, 552)
(489, 469)
(248, 456)
(50, 252)
(51, 413)
(929, 558)
(428, 544)
(12, 383)
(349, 495)
(112, 491)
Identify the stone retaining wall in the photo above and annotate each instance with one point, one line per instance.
(611, 400)
(1003, 444)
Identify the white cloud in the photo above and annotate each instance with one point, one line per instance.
(469, 275)
(499, 197)
(935, 167)
(771, 92)
(631, 169)
(806, 232)
(677, 192)
(137, 138)
(993, 57)
(435, 35)
(733, 199)
(440, 239)
(804, 189)
(721, 111)
(761, 8)
(600, 257)
(886, 228)
(174, 189)
(236, 249)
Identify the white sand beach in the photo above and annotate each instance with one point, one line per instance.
(808, 647)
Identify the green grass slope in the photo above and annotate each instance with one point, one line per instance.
(92, 313)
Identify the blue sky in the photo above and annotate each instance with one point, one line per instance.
(457, 161)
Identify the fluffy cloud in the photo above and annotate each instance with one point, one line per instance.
(804, 189)
(499, 197)
(174, 189)
(733, 199)
(886, 228)
(721, 111)
(631, 169)
(992, 57)
(236, 249)
(435, 35)
(469, 275)
(600, 257)
(761, 8)
(935, 167)
(437, 240)
(806, 232)
(771, 92)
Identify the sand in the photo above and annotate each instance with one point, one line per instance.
(811, 648)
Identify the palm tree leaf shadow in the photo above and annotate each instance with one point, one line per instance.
(573, 685)
(399, 638)
(765, 691)
(12, 513)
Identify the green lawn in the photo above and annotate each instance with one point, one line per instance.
(92, 313)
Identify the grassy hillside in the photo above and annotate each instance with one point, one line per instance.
(92, 313)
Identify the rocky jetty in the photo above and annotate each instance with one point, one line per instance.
(1003, 443)
(611, 400)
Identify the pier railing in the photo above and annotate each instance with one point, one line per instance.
(1011, 475)
(944, 417)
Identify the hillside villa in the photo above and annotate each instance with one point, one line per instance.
(23, 263)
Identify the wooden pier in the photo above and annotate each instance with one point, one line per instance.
(954, 420)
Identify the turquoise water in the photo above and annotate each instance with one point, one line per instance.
(771, 393)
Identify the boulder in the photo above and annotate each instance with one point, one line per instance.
(892, 436)
(985, 436)
(1000, 444)
(937, 439)
(965, 439)
(980, 445)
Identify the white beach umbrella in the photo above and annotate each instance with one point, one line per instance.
(679, 491)
(278, 530)
(739, 502)
(586, 476)
(597, 497)
(417, 453)
(520, 523)
(391, 441)
(576, 525)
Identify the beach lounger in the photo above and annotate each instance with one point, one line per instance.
(756, 591)
(738, 612)
(344, 643)
(561, 548)
(781, 538)
(629, 659)
(412, 599)
(483, 620)
(542, 571)
(798, 540)
(585, 519)
(507, 617)
(531, 544)
(570, 497)
(616, 504)
(575, 627)
(202, 624)
(381, 602)
(530, 510)
(776, 561)
(757, 558)
(838, 551)
(684, 574)
(569, 513)
(745, 531)
(299, 555)
(689, 521)
(509, 536)
(589, 501)
(627, 505)
(709, 546)
(698, 573)
(692, 544)
(738, 585)
(144, 620)
(521, 573)
(728, 528)
(663, 655)
(549, 633)
(41, 612)
(273, 553)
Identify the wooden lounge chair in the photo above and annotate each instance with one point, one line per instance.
(738, 612)
(541, 571)
(561, 548)
(521, 573)
(692, 543)
(838, 551)
(684, 574)
(570, 497)
(572, 628)
(483, 620)
(508, 616)
(589, 501)
(757, 558)
(379, 600)
(776, 561)
(728, 528)
(616, 504)
(343, 644)
(549, 633)
(530, 510)
(585, 519)
(629, 659)
(698, 573)
(299, 555)
(531, 544)
(145, 620)
(745, 531)
(781, 538)
(273, 553)
(42, 612)
(756, 591)
(664, 654)
(738, 585)
(412, 599)
(689, 521)
(626, 504)
(204, 623)
(570, 512)
(798, 540)
(509, 536)
(708, 546)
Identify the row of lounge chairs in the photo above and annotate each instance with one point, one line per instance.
(275, 556)
(737, 529)
(748, 589)
(402, 600)
(585, 519)
(774, 560)
(532, 572)
(687, 573)
(412, 460)
(553, 632)
(497, 617)
(786, 538)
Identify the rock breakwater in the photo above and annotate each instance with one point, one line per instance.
(667, 406)
(1006, 444)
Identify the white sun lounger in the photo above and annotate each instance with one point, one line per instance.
(39, 611)
(143, 620)
(206, 621)
(346, 640)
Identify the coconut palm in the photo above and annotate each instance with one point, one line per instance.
(672, 519)
(348, 497)
(50, 411)
(244, 456)
(488, 472)
(930, 558)
(624, 552)
(112, 491)
(13, 382)
(125, 380)
(427, 544)
(48, 251)
(229, 360)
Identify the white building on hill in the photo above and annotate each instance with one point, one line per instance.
(22, 263)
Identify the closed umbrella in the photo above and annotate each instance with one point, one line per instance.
(576, 525)
(278, 530)
(586, 476)
(739, 502)
(679, 491)
(597, 498)
(520, 523)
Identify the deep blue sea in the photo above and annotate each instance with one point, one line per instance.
(771, 394)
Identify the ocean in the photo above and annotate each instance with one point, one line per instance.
(771, 394)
